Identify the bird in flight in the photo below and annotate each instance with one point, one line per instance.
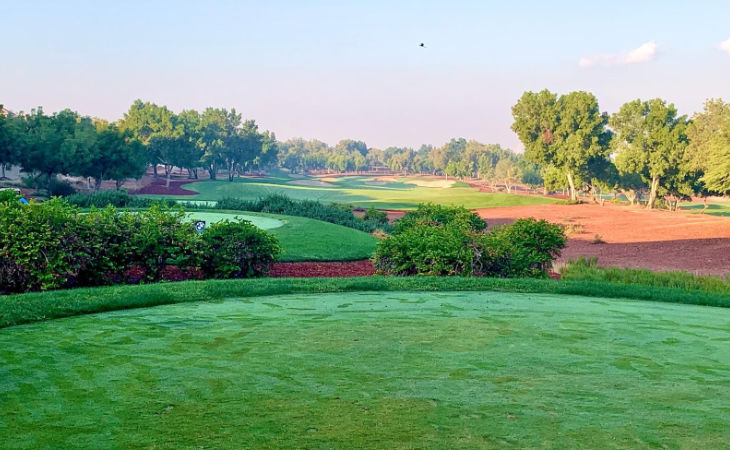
(422, 45)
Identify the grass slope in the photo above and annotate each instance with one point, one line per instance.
(304, 239)
(40, 306)
(715, 209)
(393, 370)
(360, 191)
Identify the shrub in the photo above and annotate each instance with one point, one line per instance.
(238, 249)
(439, 215)
(373, 215)
(449, 241)
(38, 244)
(60, 188)
(119, 199)
(526, 248)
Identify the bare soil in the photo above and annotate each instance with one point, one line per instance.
(322, 269)
(622, 236)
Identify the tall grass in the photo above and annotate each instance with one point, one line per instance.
(586, 269)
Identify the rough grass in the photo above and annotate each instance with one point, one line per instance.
(358, 191)
(372, 370)
(39, 306)
(587, 270)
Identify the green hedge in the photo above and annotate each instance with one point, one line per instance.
(51, 245)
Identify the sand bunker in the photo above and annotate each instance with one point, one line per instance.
(430, 183)
(315, 183)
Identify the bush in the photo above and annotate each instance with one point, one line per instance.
(373, 215)
(51, 245)
(118, 199)
(440, 215)
(428, 250)
(60, 188)
(525, 248)
(238, 249)
(437, 240)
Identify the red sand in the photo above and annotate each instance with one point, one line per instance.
(634, 237)
(157, 186)
(322, 269)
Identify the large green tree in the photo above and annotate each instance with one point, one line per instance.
(11, 140)
(146, 120)
(650, 141)
(708, 151)
(565, 132)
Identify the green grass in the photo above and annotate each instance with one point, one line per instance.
(358, 191)
(260, 221)
(715, 209)
(586, 270)
(304, 239)
(375, 370)
(40, 306)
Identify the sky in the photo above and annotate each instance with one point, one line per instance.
(335, 70)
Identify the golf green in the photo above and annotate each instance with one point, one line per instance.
(265, 223)
(377, 370)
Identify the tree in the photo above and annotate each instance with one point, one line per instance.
(145, 120)
(114, 156)
(650, 141)
(11, 140)
(508, 172)
(56, 144)
(563, 132)
(708, 151)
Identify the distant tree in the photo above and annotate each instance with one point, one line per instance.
(564, 132)
(145, 120)
(11, 141)
(114, 156)
(650, 141)
(508, 172)
(708, 151)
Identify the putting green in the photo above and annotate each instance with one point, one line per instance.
(375, 370)
(265, 223)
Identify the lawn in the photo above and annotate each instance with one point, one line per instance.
(372, 369)
(304, 239)
(357, 190)
(716, 209)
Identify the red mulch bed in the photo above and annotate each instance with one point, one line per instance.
(158, 187)
(322, 269)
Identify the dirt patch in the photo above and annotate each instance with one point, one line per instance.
(431, 183)
(322, 269)
(631, 237)
(157, 186)
(316, 183)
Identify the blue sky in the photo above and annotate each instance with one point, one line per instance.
(336, 69)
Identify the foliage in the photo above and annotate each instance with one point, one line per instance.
(432, 214)
(708, 151)
(238, 250)
(650, 141)
(435, 240)
(50, 245)
(119, 199)
(373, 215)
(565, 132)
(525, 248)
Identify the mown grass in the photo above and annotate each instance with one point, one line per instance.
(39, 306)
(357, 190)
(372, 370)
(715, 209)
(304, 239)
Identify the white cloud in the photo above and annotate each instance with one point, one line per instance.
(645, 52)
(725, 46)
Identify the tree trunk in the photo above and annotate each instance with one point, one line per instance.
(168, 173)
(211, 173)
(119, 183)
(2, 167)
(652, 193)
(97, 185)
(508, 187)
(154, 169)
(571, 185)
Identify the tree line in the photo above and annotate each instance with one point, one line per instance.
(70, 144)
(646, 149)
(457, 158)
